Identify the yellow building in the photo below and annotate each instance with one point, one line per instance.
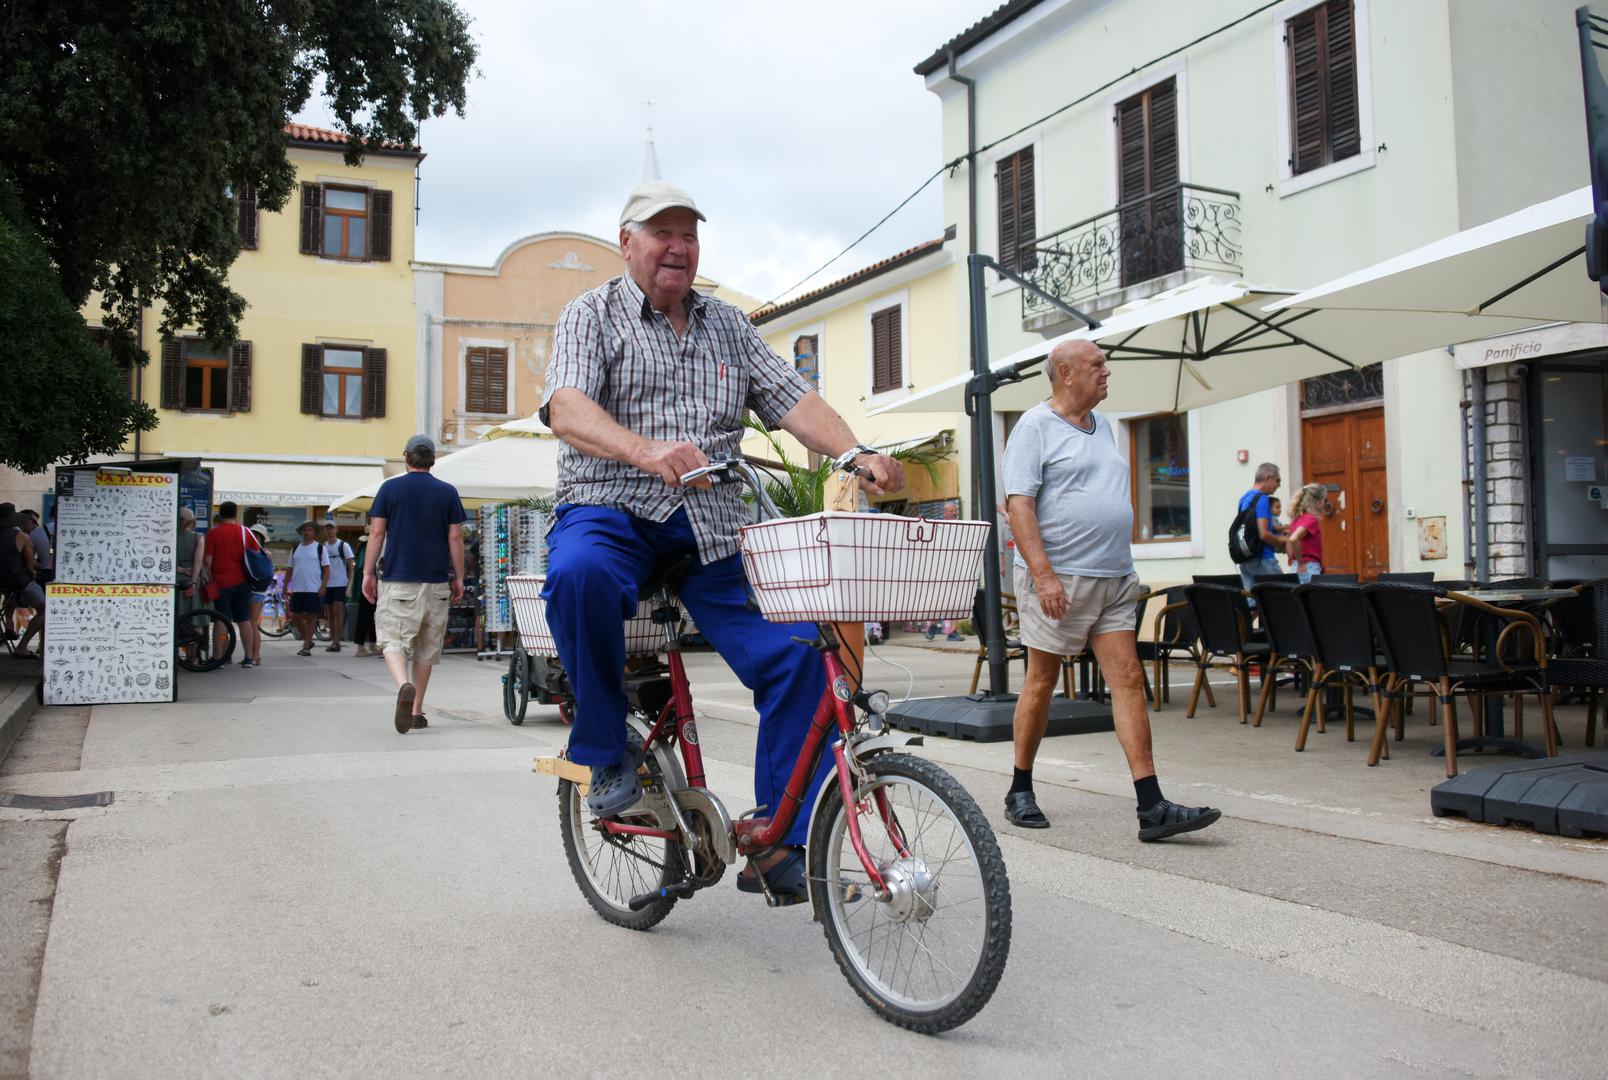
(485, 333)
(866, 340)
(319, 393)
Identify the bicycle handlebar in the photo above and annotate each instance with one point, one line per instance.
(738, 471)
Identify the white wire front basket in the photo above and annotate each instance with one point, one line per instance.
(842, 567)
(643, 637)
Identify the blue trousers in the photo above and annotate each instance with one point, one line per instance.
(598, 558)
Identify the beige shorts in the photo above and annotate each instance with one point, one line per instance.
(1095, 605)
(411, 617)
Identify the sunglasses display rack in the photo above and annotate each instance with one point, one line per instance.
(496, 563)
(530, 534)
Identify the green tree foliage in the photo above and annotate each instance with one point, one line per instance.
(124, 126)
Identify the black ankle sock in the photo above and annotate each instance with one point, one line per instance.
(1149, 792)
(1021, 780)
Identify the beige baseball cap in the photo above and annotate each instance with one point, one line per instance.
(655, 197)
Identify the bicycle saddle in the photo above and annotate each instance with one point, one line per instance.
(668, 574)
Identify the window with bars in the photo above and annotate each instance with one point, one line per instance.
(345, 381)
(346, 222)
(198, 377)
(486, 380)
(887, 350)
(1325, 114)
(1018, 217)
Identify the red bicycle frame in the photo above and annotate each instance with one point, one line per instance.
(756, 835)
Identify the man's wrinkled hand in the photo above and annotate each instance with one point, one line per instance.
(1051, 597)
(669, 461)
(879, 473)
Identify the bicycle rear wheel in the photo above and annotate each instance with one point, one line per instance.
(612, 869)
(275, 616)
(205, 639)
(928, 955)
(516, 687)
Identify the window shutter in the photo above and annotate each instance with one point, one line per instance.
(374, 382)
(312, 390)
(1005, 177)
(497, 380)
(1132, 175)
(895, 349)
(1163, 136)
(474, 362)
(246, 206)
(240, 377)
(380, 225)
(1026, 212)
(1306, 92)
(1340, 85)
(172, 374)
(885, 350)
(312, 222)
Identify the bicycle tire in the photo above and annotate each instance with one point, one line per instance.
(834, 866)
(275, 621)
(196, 633)
(516, 688)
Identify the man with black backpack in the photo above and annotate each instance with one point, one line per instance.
(1251, 541)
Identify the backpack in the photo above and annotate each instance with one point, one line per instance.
(1244, 538)
(259, 565)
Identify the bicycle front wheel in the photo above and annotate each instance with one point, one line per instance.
(927, 951)
(275, 618)
(205, 639)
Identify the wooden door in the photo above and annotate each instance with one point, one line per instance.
(1346, 453)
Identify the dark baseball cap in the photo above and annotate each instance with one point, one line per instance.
(419, 442)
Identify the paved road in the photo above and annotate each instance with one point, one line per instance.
(286, 887)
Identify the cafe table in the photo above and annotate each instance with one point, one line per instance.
(1495, 736)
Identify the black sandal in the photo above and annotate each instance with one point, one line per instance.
(1022, 810)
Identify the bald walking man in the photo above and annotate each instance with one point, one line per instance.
(1067, 497)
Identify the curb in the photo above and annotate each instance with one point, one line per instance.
(17, 705)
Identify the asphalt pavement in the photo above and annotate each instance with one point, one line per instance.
(282, 886)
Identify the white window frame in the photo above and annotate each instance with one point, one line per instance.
(818, 332)
(901, 300)
(1195, 546)
(1289, 182)
(464, 345)
(999, 283)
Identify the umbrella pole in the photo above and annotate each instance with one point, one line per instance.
(980, 404)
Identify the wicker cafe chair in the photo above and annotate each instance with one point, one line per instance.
(1224, 622)
(1342, 632)
(1289, 639)
(1417, 649)
(1014, 649)
(1173, 634)
(1584, 660)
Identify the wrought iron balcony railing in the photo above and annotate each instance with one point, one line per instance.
(1185, 226)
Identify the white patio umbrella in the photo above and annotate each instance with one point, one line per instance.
(518, 460)
(1211, 340)
(1530, 265)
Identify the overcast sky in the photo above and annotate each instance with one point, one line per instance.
(795, 126)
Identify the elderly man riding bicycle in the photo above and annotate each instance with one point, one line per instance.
(648, 381)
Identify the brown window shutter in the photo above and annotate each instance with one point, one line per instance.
(885, 350)
(380, 225)
(240, 377)
(1307, 119)
(895, 349)
(1163, 135)
(1005, 177)
(246, 206)
(497, 380)
(1340, 81)
(373, 382)
(312, 395)
(1026, 212)
(312, 219)
(474, 362)
(1133, 174)
(172, 373)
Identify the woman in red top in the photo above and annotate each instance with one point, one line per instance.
(1305, 542)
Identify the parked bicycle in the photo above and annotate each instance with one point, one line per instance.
(203, 639)
(905, 875)
(275, 620)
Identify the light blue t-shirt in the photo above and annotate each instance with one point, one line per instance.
(1085, 516)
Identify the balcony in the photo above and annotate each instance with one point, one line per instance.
(1164, 238)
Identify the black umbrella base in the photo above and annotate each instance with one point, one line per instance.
(989, 720)
(1565, 796)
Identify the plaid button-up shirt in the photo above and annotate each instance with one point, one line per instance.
(614, 347)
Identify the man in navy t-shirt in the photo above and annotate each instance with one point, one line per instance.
(1266, 562)
(416, 531)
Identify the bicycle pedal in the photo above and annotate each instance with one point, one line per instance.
(680, 890)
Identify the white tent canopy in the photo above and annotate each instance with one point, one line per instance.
(1211, 340)
(518, 460)
(1529, 265)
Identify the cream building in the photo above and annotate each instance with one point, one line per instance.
(1284, 147)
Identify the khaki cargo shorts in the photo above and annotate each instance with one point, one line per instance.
(411, 617)
(1095, 605)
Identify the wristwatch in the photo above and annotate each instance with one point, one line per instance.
(848, 456)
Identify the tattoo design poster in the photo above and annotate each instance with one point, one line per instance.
(109, 644)
(117, 528)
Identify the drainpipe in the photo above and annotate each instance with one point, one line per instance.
(971, 243)
(1482, 529)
